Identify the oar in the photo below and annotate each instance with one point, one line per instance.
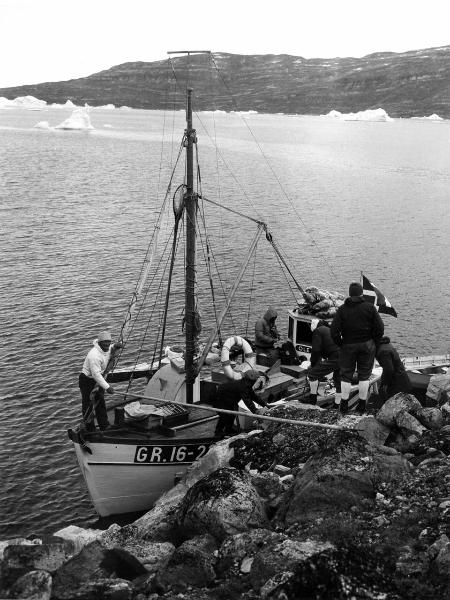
(240, 414)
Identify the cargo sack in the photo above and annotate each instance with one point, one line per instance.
(288, 355)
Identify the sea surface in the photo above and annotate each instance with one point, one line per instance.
(77, 210)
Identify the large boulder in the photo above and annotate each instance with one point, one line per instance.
(223, 503)
(34, 585)
(334, 479)
(79, 536)
(430, 417)
(152, 555)
(20, 559)
(409, 425)
(282, 556)
(192, 564)
(237, 548)
(401, 402)
(94, 563)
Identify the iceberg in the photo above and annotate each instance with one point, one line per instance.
(434, 117)
(377, 114)
(42, 125)
(78, 120)
(27, 102)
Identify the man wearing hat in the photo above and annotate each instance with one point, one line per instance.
(357, 329)
(229, 394)
(91, 375)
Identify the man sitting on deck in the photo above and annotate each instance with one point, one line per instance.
(267, 336)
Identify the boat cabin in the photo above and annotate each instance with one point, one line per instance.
(299, 331)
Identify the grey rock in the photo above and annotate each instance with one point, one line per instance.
(399, 403)
(34, 585)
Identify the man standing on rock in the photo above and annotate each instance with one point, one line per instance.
(357, 328)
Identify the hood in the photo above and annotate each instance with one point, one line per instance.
(352, 300)
(95, 344)
(270, 314)
(385, 340)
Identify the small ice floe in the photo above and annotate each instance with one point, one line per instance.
(105, 107)
(42, 125)
(434, 117)
(78, 120)
(377, 114)
(125, 108)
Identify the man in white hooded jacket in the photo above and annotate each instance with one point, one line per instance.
(91, 375)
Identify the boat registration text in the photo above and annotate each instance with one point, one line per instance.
(186, 453)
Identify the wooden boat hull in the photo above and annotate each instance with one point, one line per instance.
(129, 476)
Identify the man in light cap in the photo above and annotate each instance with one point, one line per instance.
(357, 328)
(324, 360)
(91, 375)
(228, 396)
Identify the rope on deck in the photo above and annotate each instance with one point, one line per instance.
(239, 413)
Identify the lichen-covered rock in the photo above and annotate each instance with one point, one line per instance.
(17, 542)
(79, 536)
(192, 564)
(333, 480)
(222, 504)
(399, 403)
(430, 417)
(411, 562)
(408, 424)
(372, 430)
(280, 557)
(152, 555)
(94, 563)
(20, 559)
(244, 545)
(267, 484)
(34, 585)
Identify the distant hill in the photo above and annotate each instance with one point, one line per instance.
(407, 84)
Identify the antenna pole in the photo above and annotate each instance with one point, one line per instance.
(191, 204)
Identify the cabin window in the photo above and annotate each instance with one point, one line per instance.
(290, 328)
(304, 333)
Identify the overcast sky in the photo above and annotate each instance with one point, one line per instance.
(54, 40)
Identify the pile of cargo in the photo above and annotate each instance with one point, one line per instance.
(321, 303)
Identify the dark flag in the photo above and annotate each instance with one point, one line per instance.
(373, 294)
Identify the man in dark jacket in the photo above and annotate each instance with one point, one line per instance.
(356, 329)
(324, 360)
(228, 396)
(267, 336)
(394, 378)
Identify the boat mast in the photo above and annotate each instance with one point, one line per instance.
(191, 205)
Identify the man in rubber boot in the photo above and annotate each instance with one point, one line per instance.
(324, 360)
(394, 378)
(228, 396)
(91, 375)
(357, 328)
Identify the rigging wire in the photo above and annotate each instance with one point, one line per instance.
(277, 179)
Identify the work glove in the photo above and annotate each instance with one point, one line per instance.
(110, 390)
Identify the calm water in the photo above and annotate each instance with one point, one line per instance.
(76, 213)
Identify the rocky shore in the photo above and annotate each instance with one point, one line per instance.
(279, 513)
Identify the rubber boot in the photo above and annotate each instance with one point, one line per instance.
(312, 399)
(361, 407)
(343, 406)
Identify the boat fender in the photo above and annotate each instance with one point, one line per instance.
(249, 356)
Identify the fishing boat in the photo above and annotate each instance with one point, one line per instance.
(163, 418)
(420, 370)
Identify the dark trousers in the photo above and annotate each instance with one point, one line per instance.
(225, 422)
(87, 384)
(359, 357)
(325, 367)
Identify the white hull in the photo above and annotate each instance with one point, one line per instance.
(120, 478)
